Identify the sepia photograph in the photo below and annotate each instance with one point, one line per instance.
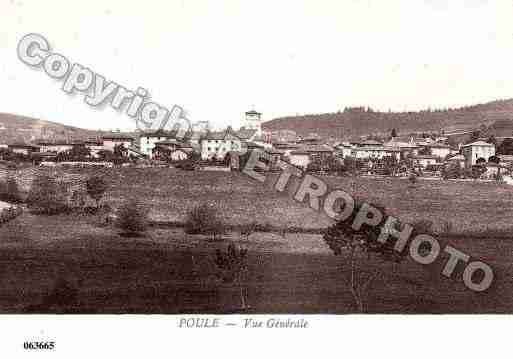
(236, 164)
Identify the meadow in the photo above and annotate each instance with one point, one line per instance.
(471, 208)
(168, 271)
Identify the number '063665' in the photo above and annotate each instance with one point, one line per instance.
(39, 345)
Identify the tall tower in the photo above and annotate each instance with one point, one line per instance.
(253, 121)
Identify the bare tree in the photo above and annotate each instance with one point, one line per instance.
(232, 266)
(358, 244)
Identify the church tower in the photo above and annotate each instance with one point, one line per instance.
(254, 121)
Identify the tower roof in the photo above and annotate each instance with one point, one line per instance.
(253, 112)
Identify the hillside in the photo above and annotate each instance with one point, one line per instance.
(355, 122)
(15, 128)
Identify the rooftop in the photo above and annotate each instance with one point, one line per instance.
(253, 112)
(245, 134)
(117, 136)
(377, 148)
(426, 157)
(479, 143)
(370, 143)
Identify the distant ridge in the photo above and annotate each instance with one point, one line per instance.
(353, 122)
(16, 128)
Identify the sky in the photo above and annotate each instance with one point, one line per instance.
(218, 59)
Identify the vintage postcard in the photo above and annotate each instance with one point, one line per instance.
(173, 173)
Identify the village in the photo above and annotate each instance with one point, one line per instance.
(432, 155)
(185, 212)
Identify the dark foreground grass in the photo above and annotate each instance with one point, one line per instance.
(170, 272)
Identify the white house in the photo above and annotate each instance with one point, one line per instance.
(181, 154)
(458, 159)
(22, 148)
(113, 140)
(476, 150)
(439, 149)
(375, 152)
(300, 158)
(303, 156)
(218, 144)
(94, 146)
(54, 146)
(287, 148)
(425, 160)
(344, 150)
(406, 148)
(148, 141)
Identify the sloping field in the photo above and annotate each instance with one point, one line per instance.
(169, 194)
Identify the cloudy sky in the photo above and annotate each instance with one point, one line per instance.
(218, 59)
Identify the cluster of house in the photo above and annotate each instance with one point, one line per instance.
(50, 148)
(155, 145)
(422, 152)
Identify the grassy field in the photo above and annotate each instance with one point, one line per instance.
(470, 207)
(170, 272)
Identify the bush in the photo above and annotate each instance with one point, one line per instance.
(203, 219)
(9, 191)
(423, 226)
(96, 188)
(248, 229)
(447, 228)
(45, 196)
(413, 179)
(9, 213)
(452, 171)
(132, 218)
(77, 201)
(14, 231)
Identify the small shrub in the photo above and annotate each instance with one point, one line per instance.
(9, 213)
(248, 229)
(46, 196)
(447, 228)
(96, 188)
(77, 201)
(9, 191)
(203, 219)
(423, 226)
(413, 179)
(15, 232)
(132, 218)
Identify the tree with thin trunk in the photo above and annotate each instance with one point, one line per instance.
(232, 266)
(96, 187)
(360, 244)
